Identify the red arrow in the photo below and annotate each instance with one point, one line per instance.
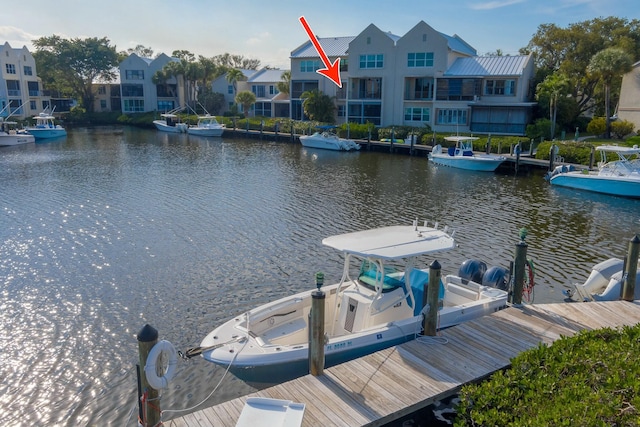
(332, 71)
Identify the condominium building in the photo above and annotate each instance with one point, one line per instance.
(138, 91)
(422, 78)
(21, 93)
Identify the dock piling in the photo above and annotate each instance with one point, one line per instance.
(519, 270)
(430, 298)
(150, 405)
(316, 329)
(631, 270)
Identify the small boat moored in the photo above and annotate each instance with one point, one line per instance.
(45, 127)
(378, 303)
(170, 122)
(207, 126)
(462, 156)
(9, 135)
(326, 139)
(603, 284)
(618, 177)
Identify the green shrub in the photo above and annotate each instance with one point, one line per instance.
(597, 126)
(621, 128)
(591, 379)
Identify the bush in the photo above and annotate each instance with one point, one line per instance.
(597, 126)
(621, 128)
(590, 379)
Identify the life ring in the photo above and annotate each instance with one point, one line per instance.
(153, 359)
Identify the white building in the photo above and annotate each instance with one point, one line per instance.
(20, 88)
(139, 93)
(264, 85)
(629, 104)
(423, 77)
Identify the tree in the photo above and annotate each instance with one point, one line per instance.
(553, 86)
(318, 106)
(569, 51)
(71, 66)
(141, 51)
(285, 83)
(246, 99)
(607, 65)
(236, 61)
(234, 75)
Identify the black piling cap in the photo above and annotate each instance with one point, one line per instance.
(635, 239)
(435, 265)
(147, 334)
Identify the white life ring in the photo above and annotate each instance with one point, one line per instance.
(154, 380)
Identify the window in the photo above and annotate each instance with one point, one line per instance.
(132, 90)
(300, 86)
(102, 90)
(309, 66)
(133, 105)
(500, 87)
(134, 74)
(262, 109)
(28, 71)
(423, 89)
(371, 61)
(166, 105)
(452, 117)
(13, 87)
(230, 89)
(273, 90)
(417, 114)
(103, 104)
(33, 105)
(34, 88)
(341, 110)
(344, 64)
(258, 90)
(11, 69)
(420, 59)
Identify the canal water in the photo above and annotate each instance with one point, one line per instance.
(112, 228)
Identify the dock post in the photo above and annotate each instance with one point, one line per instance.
(276, 127)
(316, 328)
(261, 129)
(393, 137)
(631, 270)
(592, 157)
(150, 405)
(552, 156)
(292, 136)
(518, 269)
(430, 299)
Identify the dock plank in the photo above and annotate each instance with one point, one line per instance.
(386, 385)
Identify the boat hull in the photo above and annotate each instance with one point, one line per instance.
(15, 139)
(624, 186)
(161, 125)
(205, 131)
(473, 163)
(47, 133)
(334, 144)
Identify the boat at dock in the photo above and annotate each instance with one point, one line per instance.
(170, 122)
(377, 303)
(9, 135)
(462, 156)
(326, 138)
(603, 284)
(619, 176)
(45, 127)
(207, 126)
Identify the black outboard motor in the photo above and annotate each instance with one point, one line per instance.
(496, 277)
(473, 270)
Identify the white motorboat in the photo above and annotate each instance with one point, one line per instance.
(604, 283)
(326, 139)
(618, 177)
(9, 135)
(462, 156)
(207, 126)
(170, 122)
(45, 127)
(378, 303)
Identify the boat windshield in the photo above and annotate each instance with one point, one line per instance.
(372, 275)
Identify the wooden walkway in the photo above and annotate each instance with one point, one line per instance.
(387, 385)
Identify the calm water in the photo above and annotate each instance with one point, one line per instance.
(111, 229)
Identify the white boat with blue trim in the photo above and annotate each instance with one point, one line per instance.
(462, 156)
(619, 176)
(378, 303)
(45, 127)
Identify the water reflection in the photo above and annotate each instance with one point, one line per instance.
(113, 228)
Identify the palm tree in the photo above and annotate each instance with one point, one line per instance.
(284, 84)
(553, 86)
(233, 76)
(246, 99)
(318, 106)
(609, 64)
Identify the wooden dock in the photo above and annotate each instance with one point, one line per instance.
(385, 386)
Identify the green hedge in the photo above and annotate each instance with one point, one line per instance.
(590, 379)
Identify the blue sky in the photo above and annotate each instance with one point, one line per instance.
(270, 30)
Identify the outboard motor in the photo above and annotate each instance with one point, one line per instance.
(496, 277)
(473, 270)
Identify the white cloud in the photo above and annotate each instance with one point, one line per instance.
(496, 4)
(258, 39)
(17, 37)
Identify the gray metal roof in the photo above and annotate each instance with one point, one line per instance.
(266, 76)
(333, 47)
(481, 66)
(458, 45)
